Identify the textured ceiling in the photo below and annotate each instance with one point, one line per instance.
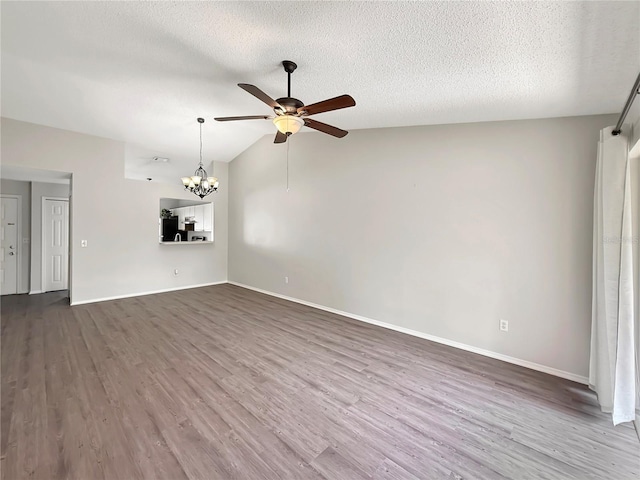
(142, 72)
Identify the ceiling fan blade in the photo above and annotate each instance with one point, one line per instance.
(259, 94)
(248, 117)
(343, 101)
(280, 137)
(324, 128)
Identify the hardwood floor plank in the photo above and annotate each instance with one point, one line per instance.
(332, 465)
(222, 382)
(389, 470)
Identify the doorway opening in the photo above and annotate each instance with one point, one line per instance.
(41, 243)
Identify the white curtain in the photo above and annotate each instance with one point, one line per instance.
(612, 370)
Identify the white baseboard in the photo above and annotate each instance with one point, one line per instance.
(433, 338)
(141, 294)
(35, 292)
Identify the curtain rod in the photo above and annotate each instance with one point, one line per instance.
(627, 106)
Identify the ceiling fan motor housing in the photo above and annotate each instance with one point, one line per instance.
(289, 105)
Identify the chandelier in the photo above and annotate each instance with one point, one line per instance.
(200, 183)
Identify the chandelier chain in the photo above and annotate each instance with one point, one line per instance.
(200, 144)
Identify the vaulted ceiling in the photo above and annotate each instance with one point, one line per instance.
(141, 72)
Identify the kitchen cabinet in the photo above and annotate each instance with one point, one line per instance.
(198, 213)
(180, 212)
(207, 223)
(203, 215)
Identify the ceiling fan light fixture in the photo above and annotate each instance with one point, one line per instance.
(288, 124)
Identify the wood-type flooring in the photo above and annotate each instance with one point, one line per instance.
(225, 383)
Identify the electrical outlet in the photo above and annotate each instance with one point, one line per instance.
(286, 279)
(83, 243)
(504, 325)
(175, 272)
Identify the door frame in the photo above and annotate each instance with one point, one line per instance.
(42, 238)
(18, 241)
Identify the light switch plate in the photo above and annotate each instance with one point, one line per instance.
(83, 243)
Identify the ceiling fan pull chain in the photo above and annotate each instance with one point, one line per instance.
(288, 165)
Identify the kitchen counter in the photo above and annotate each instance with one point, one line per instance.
(195, 242)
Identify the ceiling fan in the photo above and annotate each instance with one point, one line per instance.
(290, 113)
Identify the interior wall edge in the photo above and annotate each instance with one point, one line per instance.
(444, 341)
(142, 294)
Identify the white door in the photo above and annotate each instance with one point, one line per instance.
(9, 246)
(55, 239)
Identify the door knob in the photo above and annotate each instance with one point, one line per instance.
(11, 253)
(10, 247)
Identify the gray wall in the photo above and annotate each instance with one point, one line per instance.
(14, 187)
(39, 190)
(118, 217)
(443, 230)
